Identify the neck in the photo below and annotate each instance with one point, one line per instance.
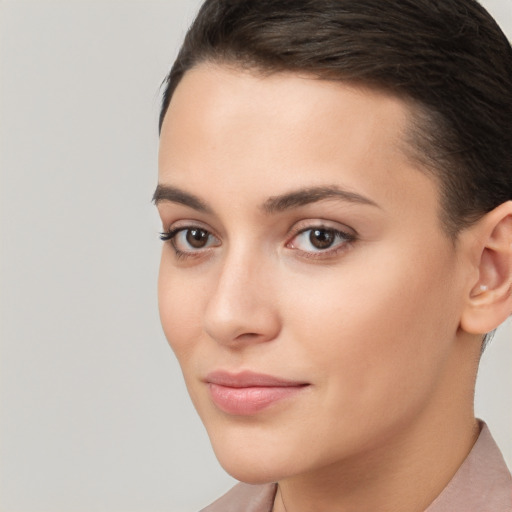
(406, 471)
(404, 479)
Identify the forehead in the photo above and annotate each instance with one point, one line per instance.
(209, 97)
(255, 132)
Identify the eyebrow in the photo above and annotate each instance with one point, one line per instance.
(310, 195)
(274, 204)
(176, 195)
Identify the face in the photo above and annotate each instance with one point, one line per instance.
(306, 285)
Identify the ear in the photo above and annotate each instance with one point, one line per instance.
(489, 302)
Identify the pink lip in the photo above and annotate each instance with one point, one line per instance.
(248, 393)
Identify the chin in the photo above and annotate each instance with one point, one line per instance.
(251, 460)
(255, 471)
(250, 475)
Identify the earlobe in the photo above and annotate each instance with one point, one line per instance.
(490, 300)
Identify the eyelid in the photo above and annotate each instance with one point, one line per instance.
(174, 230)
(305, 225)
(347, 235)
(182, 224)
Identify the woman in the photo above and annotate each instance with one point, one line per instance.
(335, 189)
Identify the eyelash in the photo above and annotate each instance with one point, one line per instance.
(346, 240)
(169, 236)
(166, 236)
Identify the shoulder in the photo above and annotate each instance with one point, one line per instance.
(245, 498)
(481, 484)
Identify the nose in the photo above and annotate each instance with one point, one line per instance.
(242, 308)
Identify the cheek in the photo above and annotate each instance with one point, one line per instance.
(377, 329)
(179, 303)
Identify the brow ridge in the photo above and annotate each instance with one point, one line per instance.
(274, 204)
(175, 195)
(310, 195)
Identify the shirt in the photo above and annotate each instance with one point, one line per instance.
(483, 483)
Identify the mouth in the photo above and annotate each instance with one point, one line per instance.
(248, 393)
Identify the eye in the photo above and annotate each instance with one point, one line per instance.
(189, 240)
(320, 239)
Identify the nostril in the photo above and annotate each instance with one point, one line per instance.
(248, 335)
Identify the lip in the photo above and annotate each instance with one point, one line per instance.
(248, 393)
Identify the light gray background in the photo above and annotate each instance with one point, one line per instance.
(94, 414)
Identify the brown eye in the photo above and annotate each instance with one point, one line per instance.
(197, 238)
(322, 238)
(190, 240)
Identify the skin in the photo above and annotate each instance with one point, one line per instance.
(372, 324)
